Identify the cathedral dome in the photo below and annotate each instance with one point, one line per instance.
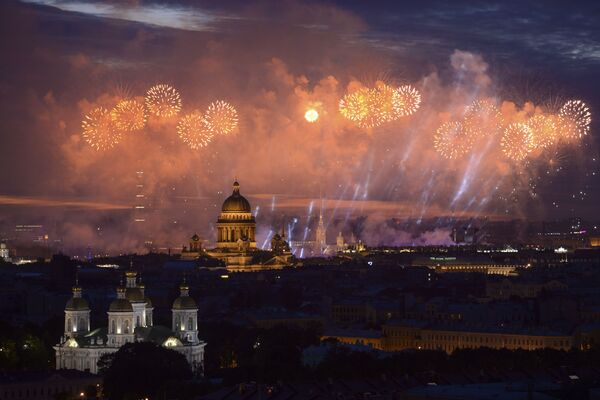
(77, 304)
(236, 202)
(185, 303)
(134, 295)
(120, 305)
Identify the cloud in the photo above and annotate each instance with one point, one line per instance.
(271, 61)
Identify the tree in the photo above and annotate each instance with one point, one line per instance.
(140, 370)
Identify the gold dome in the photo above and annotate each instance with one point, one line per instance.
(236, 202)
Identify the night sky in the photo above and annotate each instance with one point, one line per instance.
(272, 61)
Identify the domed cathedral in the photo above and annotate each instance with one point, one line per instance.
(236, 226)
(236, 240)
(129, 320)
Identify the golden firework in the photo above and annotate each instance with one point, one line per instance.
(482, 118)
(355, 106)
(129, 115)
(574, 119)
(163, 101)
(451, 141)
(517, 141)
(99, 130)
(544, 130)
(221, 117)
(386, 102)
(194, 131)
(408, 99)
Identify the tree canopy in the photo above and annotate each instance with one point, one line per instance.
(140, 370)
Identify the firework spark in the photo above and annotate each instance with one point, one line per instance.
(221, 117)
(517, 141)
(481, 119)
(574, 119)
(129, 115)
(451, 140)
(543, 130)
(163, 101)
(194, 131)
(355, 106)
(409, 100)
(99, 130)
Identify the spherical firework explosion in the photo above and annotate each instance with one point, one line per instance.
(574, 119)
(99, 130)
(544, 131)
(193, 130)
(221, 117)
(481, 118)
(163, 101)
(451, 140)
(129, 115)
(517, 141)
(409, 100)
(356, 106)
(386, 102)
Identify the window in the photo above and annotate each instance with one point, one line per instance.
(126, 330)
(190, 324)
(113, 328)
(137, 321)
(69, 325)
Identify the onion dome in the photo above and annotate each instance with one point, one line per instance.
(120, 304)
(236, 202)
(133, 292)
(184, 301)
(77, 303)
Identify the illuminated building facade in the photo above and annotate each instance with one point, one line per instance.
(236, 226)
(236, 241)
(129, 321)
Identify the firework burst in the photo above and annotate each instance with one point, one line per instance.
(221, 117)
(194, 131)
(543, 130)
(574, 119)
(481, 118)
(517, 141)
(129, 115)
(451, 141)
(409, 100)
(355, 106)
(99, 130)
(163, 101)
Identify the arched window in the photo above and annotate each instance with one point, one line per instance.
(177, 322)
(137, 321)
(69, 325)
(190, 324)
(113, 327)
(126, 330)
